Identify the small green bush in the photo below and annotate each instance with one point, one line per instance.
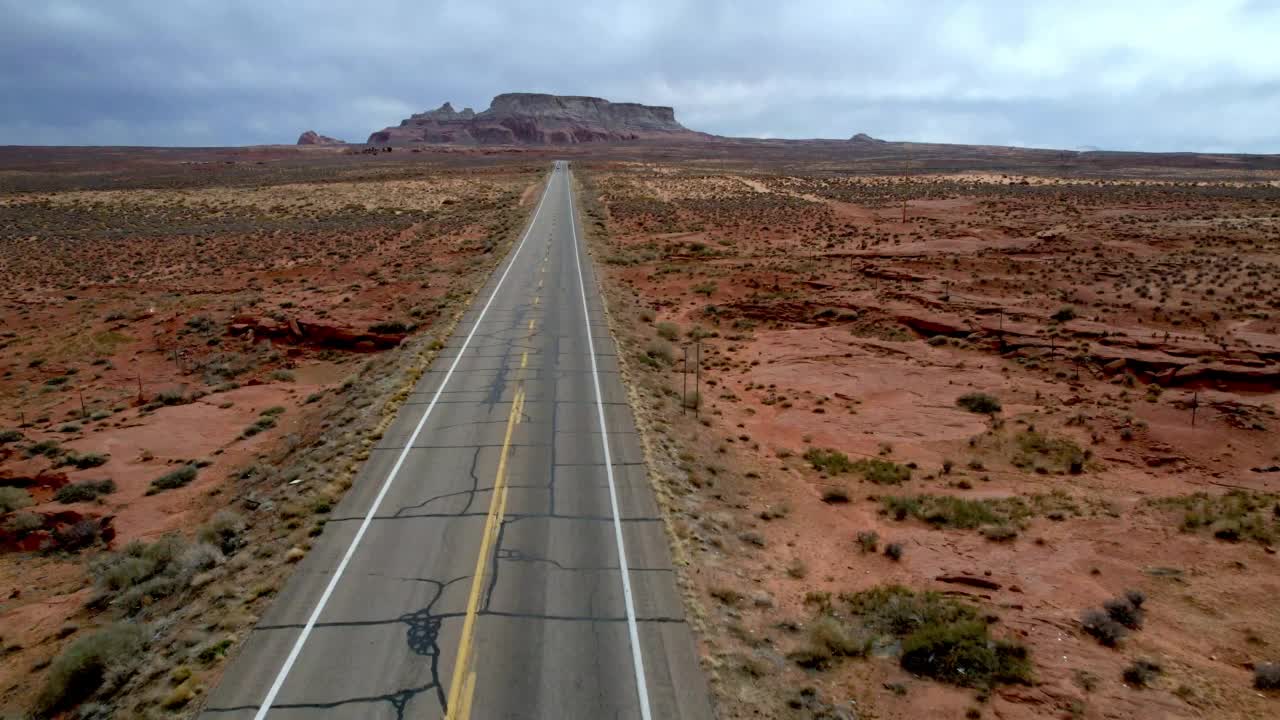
(390, 327)
(175, 479)
(1232, 516)
(1100, 625)
(668, 331)
(1037, 451)
(10, 436)
(832, 462)
(48, 448)
(883, 472)
(660, 351)
(1142, 672)
(840, 639)
(84, 461)
(171, 396)
(940, 637)
(12, 498)
(21, 523)
(1065, 314)
(85, 491)
(948, 511)
(81, 669)
(981, 403)
(964, 654)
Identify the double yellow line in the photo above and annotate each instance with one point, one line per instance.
(463, 686)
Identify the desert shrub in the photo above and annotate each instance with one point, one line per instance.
(390, 327)
(273, 411)
(705, 288)
(171, 396)
(1100, 625)
(835, 494)
(201, 323)
(21, 523)
(964, 654)
(47, 448)
(948, 511)
(999, 533)
(132, 578)
(78, 535)
(1064, 314)
(10, 436)
(660, 351)
(1035, 450)
(668, 331)
(264, 422)
(1124, 612)
(107, 656)
(893, 551)
(883, 472)
(1233, 516)
(282, 375)
(868, 540)
(224, 531)
(12, 498)
(940, 637)
(837, 637)
(84, 461)
(221, 367)
(977, 402)
(174, 479)
(697, 332)
(1142, 672)
(84, 491)
(726, 595)
(832, 462)
(1266, 676)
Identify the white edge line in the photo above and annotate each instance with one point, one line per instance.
(386, 484)
(642, 689)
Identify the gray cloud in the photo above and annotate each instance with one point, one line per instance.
(1135, 75)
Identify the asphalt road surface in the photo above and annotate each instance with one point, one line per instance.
(500, 554)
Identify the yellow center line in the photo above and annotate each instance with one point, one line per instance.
(459, 696)
(530, 324)
(469, 690)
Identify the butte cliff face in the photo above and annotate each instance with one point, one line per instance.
(536, 119)
(311, 137)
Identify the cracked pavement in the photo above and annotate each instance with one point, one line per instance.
(551, 634)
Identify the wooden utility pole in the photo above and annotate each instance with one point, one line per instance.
(1195, 405)
(697, 391)
(684, 383)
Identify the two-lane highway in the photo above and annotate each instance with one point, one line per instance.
(501, 554)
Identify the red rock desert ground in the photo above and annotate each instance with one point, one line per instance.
(941, 463)
(946, 410)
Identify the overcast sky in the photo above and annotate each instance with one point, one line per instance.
(1114, 74)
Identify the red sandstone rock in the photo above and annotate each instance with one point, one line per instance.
(311, 137)
(537, 119)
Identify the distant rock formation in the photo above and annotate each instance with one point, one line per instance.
(311, 137)
(866, 139)
(538, 119)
